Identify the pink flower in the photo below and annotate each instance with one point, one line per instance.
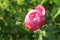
(35, 18)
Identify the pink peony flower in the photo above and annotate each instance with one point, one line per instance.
(35, 18)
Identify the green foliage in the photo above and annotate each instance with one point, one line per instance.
(12, 14)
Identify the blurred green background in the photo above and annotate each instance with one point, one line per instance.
(13, 12)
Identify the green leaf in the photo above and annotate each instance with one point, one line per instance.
(57, 2)
(43, 1)
(58, 13)
(50, 36)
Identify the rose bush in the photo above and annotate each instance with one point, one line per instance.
(14, 12)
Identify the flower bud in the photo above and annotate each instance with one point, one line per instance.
(35, 18)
